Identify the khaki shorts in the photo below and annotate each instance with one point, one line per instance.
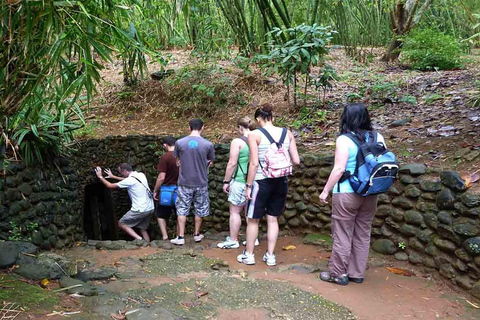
(135, 219)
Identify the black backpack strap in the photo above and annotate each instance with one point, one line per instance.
(245, 139)
(146, 188)
(284, 135)
(269, 137)
(354, 138)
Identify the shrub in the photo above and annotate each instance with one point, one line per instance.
(430, 49)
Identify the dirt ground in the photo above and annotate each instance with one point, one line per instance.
(291, 290)
(439, 125)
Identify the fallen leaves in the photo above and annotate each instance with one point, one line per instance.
(400, 271)
(289, 247)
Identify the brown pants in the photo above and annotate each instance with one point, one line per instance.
(352, 217)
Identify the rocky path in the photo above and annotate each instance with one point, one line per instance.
(199, 281)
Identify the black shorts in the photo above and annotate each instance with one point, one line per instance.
(268, 197)
(164, 212)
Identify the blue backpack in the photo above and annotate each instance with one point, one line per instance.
(376, 167)
(168, 196)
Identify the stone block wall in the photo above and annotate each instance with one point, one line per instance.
(40, 204)
(431, 219)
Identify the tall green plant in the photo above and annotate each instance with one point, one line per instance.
(50, 61)
(294, 58)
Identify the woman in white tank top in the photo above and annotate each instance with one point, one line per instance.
(267, 195)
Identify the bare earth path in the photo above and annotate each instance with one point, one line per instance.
(193, 283)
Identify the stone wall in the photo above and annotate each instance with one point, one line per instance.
(428, 218)
(431, 219)
(40, 204)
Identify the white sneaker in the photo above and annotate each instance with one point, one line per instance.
(246, 258)
(178, 242)
(198, 238)
(228, 244)
(270, 260)
(256, 242)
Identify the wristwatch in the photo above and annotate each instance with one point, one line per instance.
(226, 182)
(248, 185)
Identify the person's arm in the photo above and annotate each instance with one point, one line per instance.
(158, 184)
(211, 155)
(107, 184)
(292, 150)
(232, 163)
(109, 174)
(341, 158)
(253, 143)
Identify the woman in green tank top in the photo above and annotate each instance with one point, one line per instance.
(235, 179)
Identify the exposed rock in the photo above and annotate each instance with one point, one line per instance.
(57, 265)
(415, 244)
(444, 245)
(429, 262)
(400, 122)
(384, 246)
(445, 217)
(100, 274)
(413, 217)
(401, 256)
(463, 282)
(430, 196)
(415, 169)
(425, 235)
(415, 258)
(472, 155)
(430, 185)
(310, 160)
(446, 199)
(83, 289)
(425, 206)
(33, 271)
(447, 270)
(470, 200)
(463, 255)
(431, 220)
(466, 211)
(300, 206)
(408, 230)
(8, 254)
(289, 214)
(385, 231)
(431, 249)
(453, 180)
(412, 192)
(295, 222)
(384, 210)
(406, 179)
(303, 268)
(402, 203)
(472, 246)
(383, 198)
(466, 227)
(447, 232)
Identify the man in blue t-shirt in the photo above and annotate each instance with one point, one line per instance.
(194, 155)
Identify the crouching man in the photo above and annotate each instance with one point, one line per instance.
(140, 195)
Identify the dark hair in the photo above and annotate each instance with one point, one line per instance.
(125, 167)
(247, 123)
(355, 118)
(169, 141)
(265, 112)
(196, 124)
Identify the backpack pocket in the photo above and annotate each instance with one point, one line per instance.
(168, 196)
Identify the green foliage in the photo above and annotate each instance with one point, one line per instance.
(18, 233)
(204, 90)
(430, 49)
(49, 65)
(324, 81)
(431, 98)
(307, 47)
(402, 245)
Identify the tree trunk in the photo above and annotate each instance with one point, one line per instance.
(392, 51)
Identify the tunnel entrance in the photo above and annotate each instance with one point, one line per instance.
(98, 214)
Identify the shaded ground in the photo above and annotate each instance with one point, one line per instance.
(200, 281)
(432, 113)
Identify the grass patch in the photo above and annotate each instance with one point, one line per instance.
(318, 239)
(26, 295)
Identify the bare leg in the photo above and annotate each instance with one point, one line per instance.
(129, 231)
(235, 221)
(181, 221)
(272, 233)
(163, 228)
(252, 233)
(198, 224)
(145, 235)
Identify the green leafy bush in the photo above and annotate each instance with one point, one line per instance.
(430, 49)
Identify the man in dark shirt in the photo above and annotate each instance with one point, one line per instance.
(168, 176)
(195, 155)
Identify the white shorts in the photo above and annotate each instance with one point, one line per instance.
(236, 196)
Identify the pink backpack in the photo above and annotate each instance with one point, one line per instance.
(277, 158)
